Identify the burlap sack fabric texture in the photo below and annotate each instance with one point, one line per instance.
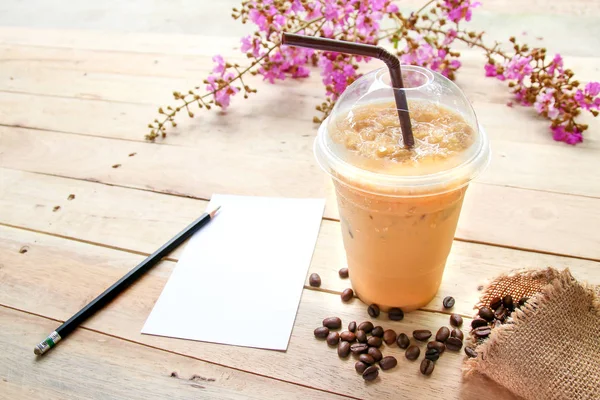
(551, 349)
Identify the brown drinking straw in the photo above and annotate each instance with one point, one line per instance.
(366, 50)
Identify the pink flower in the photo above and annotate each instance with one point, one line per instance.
(450, 36)
(560, 134)
(337, 75)
(331, 11)
(587, 98)
(220, 67)
(457, 10)
(490, 70)
(592, 89)
(259, 19)
(279, 21)
(518, 68)
(555, 65)
(392, 8)
(297, 6)
(544, 102)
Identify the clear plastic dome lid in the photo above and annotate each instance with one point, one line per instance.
(361, 143)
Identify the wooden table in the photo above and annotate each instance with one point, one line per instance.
(83, 198)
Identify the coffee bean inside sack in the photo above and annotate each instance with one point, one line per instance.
(489, 318)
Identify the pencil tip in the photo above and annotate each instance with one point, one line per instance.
(214, 212)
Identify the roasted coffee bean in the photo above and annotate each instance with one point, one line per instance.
(457, 333)
(432, 354)
(321, 332)
(366, 327)
(482, 331)
(523, 301)
(501, 313)
(389, 337)
(454, 344)
(374, 341)
(396, 314)
(360, 367)
(347, 295)
(412, 353)
(373, 310)
(361, 336)
(377, 331)
(358, 348)
(348, 336)
(367, 359)
(343, 273)
(486, 314)
(422, 334)
(314, 280)
(333, 338)
(427, 366)
(439, 346)
(403, 341)
(477, 322)
(370, 373)
(456, 320)
(352, 326)
(343, 349)
(442, 334)
(388, 362)
(470, 352)
(332, 323)
(448, 302)
(495, 303)
(507, 302)
(375, 353)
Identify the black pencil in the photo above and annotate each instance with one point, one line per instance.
(62, 331)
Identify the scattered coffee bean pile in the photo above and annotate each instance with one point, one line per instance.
(364, 341)
(488, 318)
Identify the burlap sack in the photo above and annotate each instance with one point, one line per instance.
(551, 349)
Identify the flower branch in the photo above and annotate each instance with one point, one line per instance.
(426, 37)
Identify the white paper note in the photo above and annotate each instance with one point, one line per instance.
(240, 278)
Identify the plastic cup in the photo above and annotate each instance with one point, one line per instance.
(398, 219)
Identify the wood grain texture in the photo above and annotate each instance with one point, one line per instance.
(307, 361)
(95, 366)
(98, 90)
(521, 142)
(109, 216)
(548, 222)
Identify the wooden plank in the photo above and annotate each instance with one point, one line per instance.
(94, 366)
(548, 222)
(113, 216)
(514, 162)
(555, 23)
(65, 78)
(152, 43)
(307, 360)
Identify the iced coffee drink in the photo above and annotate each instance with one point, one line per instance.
(399, 207)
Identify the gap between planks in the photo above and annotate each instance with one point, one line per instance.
(34, 128)
(175, 260)
(503, 246)
(172, 352)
